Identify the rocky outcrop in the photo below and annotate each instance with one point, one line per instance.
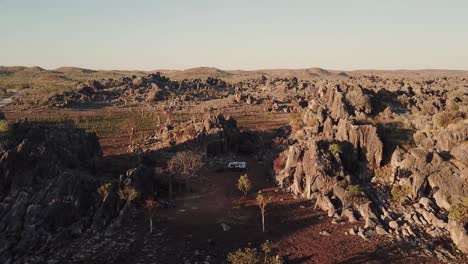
(458, 235)
(365, 140)
(149, 89)
(310, 168)
(47, 188)
(215, 134)
(337, 159)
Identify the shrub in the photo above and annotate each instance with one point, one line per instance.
(445, 118)
(296, 123)
(4, 127)
(335, 149)
(384, 173)
(459, 211)
(243, 184)
(244, 256)
(104, 190)
(3, 92)
(354, 193)
(250, 255)
(399, 194)
(128, 194)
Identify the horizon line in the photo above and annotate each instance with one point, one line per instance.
(237, 69)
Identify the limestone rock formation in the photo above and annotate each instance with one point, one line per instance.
(47, 188)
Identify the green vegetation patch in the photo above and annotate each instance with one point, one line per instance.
(459, 211)
(5, 127)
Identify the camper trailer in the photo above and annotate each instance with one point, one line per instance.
(237, 165)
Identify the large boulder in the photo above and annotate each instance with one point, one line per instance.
(458, 235)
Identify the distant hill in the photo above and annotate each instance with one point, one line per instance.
(73, 70)
(16, 69)
(63, 78)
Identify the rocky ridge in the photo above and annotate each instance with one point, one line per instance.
(352, 165)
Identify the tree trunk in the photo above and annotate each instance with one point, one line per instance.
(170, 187)
(187, 185)
(151, 224)
(263, 221)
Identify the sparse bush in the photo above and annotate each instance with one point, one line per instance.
(3, 92)
(384, 173)
(354, 193)
(443, 119)
(363, 121)
(335, 149)
(459, 211)
(128, 194)
(243, 184)
(245, 256)
(104, 191)
(251, 255)
(399, 194)
(296, 123)
(5, 127)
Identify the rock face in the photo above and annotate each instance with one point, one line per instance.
(356, 169)
(365, 140)
(215, 133)
(47, 189)
(458, 235)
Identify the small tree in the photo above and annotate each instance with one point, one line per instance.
(262, 202)
(266, 251)
(243, 184)
(104, 191)
(151, 206)
(185, 164)
(128, 194)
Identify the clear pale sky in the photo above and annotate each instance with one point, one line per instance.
(236, 34)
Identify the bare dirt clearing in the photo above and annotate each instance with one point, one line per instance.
(193, 230)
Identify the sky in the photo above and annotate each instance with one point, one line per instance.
(236, 34)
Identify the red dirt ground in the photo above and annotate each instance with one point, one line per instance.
(192, 231)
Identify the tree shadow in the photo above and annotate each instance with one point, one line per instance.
(298, 260)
